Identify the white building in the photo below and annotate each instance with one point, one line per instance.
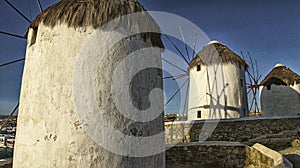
(217, 84)
(3, 141)
(280, 92)
(50, 132)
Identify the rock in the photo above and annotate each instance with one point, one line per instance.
(296, 143)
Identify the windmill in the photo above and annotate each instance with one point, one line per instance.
(52, 106)
(253, 84)
(210, 80)
(210, 89)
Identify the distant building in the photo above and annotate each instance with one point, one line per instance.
(3, 141)
(217, 84)
(175, 117)
(10, 142)
(280, 92)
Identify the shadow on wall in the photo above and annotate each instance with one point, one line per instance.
(279, 99)
(219, 98)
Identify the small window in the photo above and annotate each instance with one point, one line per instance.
(269, 87)
(32, 36)
(242, 82)
(198, 67)
(199, 114)
(159, 72)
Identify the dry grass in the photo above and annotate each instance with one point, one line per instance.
(97, 13)
(217, 53)
(281, 76)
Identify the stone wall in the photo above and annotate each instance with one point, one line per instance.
(275, 133)
(261, 156)
(211, 154)
(206, 154)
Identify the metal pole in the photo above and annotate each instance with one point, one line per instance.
(14, 35)
(18, 11)
(40, 6)
(12, 62)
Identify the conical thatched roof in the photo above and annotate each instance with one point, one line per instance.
(215, 53)
(281, 75)
(96, 13)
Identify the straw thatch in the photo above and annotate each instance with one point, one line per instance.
(96, 13)
(281, 75)
(215, 53)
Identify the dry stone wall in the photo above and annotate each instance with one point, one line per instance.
(261, 156)
(275, 133)
(220, 154)
(206, 154)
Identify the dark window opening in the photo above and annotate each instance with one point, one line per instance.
(33, 36)
(159, 72)
(269, 87)
(199, 114)
(242, 81)
(198, 67)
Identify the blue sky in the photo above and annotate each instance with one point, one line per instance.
(269, 30)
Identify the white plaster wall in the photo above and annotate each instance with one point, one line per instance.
(218, 87)
(49, 131)
(280, 100)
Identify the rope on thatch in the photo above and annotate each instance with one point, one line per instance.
(96, 13)
(216, 53)
(281, 75)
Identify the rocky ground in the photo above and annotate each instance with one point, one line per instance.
(293, 153)
(6, 165)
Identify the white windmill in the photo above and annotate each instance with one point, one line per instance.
(217, 84)
(280, 92)
(49, 131)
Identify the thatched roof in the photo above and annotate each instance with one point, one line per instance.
(281, 75)
(96, 13)
(215, 53)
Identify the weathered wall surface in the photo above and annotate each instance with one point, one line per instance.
(261, 156)
(275, 133)
(280, 100)
(50, 133)
(47, 123)
(221, 98)
(206, 154)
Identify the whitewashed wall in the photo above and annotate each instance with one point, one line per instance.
(280, 100)
(49, 131)
(216, 91)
